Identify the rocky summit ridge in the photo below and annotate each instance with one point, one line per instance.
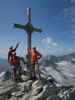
(40, 89)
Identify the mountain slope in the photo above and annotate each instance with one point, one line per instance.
(61, 68)
(3, 65)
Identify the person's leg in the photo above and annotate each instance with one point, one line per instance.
(19, 72)
(22, 59)
(14, 74)
(37, 70)
(33, 71)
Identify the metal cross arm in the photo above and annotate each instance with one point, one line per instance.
(19, 26)
(28, 27)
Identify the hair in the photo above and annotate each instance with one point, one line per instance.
(34, 48)
(11, 47)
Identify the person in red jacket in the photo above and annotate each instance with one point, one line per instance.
(13, 60)
(35, 57)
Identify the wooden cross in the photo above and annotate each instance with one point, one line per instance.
(29, 28)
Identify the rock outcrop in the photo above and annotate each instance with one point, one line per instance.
(29, 89)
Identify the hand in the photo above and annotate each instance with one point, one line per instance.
(18, 43)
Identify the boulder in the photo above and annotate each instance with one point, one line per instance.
(36, 84)
(45, 93)
(25, 86)
(37, 87)
(39, 95)
(25, 78)
(7, 86)
(28, 85)
(17, 94)
(36, 91)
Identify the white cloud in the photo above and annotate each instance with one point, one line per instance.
(46, 40)
(49, 42)
(49, 46)
(55, 44)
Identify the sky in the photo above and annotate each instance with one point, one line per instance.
(49, 15)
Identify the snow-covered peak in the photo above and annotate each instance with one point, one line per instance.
(2, 74)
(63, 63)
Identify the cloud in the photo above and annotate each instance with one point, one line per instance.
(49, 42)
(47, 46)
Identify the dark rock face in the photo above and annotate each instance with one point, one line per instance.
(54, 97)
(72, 96)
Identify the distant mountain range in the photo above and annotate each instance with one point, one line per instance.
(51, 59)
(61, 68)
(45, 61)
(3, 64)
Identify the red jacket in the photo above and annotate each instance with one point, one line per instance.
(35, 55)
(13, 59)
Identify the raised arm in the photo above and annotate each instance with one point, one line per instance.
(39, 55)
(15, 47)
